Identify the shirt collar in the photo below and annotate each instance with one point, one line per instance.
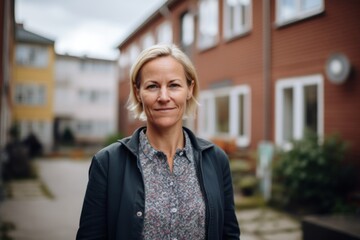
(151, 152)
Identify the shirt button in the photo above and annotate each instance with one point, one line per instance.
(173, 210)
(139, 214)
(171, 183)
(174, 238)
(181, 153)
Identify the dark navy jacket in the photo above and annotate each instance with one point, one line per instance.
(115, 197)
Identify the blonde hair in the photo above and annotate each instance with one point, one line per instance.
(154, 52)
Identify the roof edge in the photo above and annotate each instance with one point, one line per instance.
(158, 11)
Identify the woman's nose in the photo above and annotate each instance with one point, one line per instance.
(163, 94)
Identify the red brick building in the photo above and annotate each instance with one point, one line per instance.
(262, 67)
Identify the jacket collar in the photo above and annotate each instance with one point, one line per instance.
(132, 142)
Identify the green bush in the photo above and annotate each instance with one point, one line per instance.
(248, 185)
(68, 137)
(312, 175)
(112, 138)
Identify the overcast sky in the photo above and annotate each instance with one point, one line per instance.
(80, 27)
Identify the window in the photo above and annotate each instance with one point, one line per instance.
(123, 59)
(208, 23)
(84, 127)
(230, 109)
(41, 129)
(33, 56)
(164, 33)
(294, 10)
(93, 128)
(93, 66)
(237, 17)
(124, 63)
(133, 53)
(299, 107)
(187, 29)
(147, 41)
(93, 96)
(30, 94)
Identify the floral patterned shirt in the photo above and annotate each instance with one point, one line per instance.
(174, 204)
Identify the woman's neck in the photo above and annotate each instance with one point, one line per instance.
(166, 140)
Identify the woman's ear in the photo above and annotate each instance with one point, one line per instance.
(191, 89)
(137, 93)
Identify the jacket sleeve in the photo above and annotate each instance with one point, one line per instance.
(93, 216)
(231, 228)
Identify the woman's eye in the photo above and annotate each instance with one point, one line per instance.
(152, 86)
(174, 85)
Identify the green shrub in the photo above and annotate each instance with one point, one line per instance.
(312, 175)
(68, 137)
(112, 138)
(248, 185)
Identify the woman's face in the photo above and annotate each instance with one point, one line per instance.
(164, 92)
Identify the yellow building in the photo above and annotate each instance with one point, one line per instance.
(33, 86)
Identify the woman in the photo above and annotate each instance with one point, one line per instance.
(162, 182)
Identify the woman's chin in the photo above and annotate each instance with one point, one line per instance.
(165, 122)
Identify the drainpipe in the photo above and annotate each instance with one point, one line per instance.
(266, 68)
(265, 147)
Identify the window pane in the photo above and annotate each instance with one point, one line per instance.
(148, 41)
(204, 126)
(308, 5)
(134, 52)
(21, 54)
(164, 33)
(311, 108)
(288, 121)
(287, 9)
(236, 17)
(41, 95)
(30, 94)
(187, 29)
(222, 114)
(208, 23)
(28, 55)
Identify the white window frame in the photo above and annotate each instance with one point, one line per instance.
(208, 28)
(42, 130)
(164, 32)
(147, 40)
(134, 52)
(38, 97)
(297, 84)
(299, 14)
(229, 20)
(32, 55)
(233, 93)
(187, 29)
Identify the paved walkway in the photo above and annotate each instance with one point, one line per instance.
(267, 224)
(52, 213)
(49, 208)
